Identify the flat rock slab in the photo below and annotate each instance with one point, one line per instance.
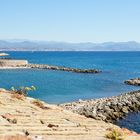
(22, 116)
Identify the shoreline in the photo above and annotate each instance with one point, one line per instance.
(108, 109)
(36, 119)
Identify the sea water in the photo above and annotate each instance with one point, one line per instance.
(59, 86)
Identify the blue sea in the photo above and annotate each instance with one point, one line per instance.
(59, 86)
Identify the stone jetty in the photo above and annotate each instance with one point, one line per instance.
(13, 63)
(106, 109)
(135, 82)
(49, 67)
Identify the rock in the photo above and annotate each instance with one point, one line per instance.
(116, 114)
(125, 109)
(135, 82)
(107, 109)
(45, 66)
(52, 125)
(100, 115)
(2, 90)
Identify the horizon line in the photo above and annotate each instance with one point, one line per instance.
(70, 42)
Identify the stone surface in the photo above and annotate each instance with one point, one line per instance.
(12, 63)
(135, 82)
(106, 109)
(50, 123)
(45, 66)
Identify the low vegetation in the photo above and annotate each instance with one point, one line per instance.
(22, 90)
(115, 134)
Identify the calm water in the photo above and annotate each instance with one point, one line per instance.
(59, 87)
(132, 121)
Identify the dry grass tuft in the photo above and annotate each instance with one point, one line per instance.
(115, 134)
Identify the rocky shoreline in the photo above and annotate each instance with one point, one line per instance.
(24, 118)
(76, 70)
(135, 82)
(106, 109)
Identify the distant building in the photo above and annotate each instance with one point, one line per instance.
(4, 62)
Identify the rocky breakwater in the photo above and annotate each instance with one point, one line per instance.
(135, 82)
(45, 66)
(106, 109)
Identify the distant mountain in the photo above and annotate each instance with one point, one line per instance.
(26, 45)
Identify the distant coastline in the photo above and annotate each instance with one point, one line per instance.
(27, 45)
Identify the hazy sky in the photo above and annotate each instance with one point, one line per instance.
(70, 20)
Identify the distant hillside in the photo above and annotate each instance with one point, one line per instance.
(25, 45)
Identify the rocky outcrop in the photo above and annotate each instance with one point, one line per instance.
(135, 82)
(24, 119)
(45, 66)
(22, 116)
(106, 109)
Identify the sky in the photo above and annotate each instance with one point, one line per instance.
(70, 20)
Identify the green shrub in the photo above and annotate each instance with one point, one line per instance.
(22, 90)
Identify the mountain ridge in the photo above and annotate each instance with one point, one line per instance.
(27, 45)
